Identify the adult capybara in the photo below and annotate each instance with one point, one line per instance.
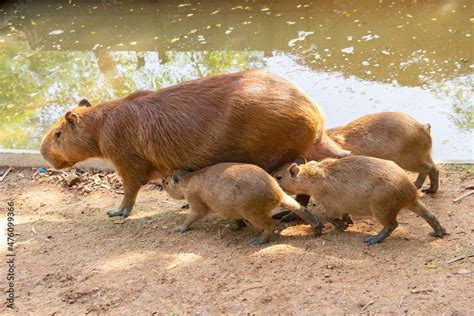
(234, 191)
(357, 185)
(250, 117)
(392, 136)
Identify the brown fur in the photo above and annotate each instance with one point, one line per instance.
(249, 117)
(392, 136)
(233, 191)
(357, 185)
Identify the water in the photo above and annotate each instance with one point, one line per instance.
(352, 59)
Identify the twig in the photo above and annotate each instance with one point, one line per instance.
(463, 196)
(368, 304)
(33, 229)
(5, 174)
(460, 258)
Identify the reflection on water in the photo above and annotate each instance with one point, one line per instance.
(352, 59)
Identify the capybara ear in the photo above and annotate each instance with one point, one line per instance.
(72, 118)
(85, 103)
(175, 178)
(300, 160)
(294, 170)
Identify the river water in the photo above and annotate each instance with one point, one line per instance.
(352, 58)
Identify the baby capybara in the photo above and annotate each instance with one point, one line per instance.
(234, 191)
(392, 136)
(249, 117)
(357, 185)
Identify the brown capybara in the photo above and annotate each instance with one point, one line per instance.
(357, 185)
(234, 191)
(249, 117)
(392, 136)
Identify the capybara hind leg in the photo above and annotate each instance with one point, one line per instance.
(197, 211)
(420, 179)
(262, 221)
(434, 180)
(389, 222)
(420, 209)
(386, 231)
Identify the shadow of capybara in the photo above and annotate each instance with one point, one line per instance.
(357, 185)
(392, 136)
(249, 117)
(234, 191)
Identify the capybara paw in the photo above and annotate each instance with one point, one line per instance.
(439, 233)
(117, 212)
(318, 230)
(372, 240)
(185, 206)
(428, 190)
(259, 241)
(180, 229)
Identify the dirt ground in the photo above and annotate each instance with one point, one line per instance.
(72, 259)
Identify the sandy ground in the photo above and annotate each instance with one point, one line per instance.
(70, 258)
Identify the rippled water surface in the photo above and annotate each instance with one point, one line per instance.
(352, 58)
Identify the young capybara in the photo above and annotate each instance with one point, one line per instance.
(249, 117)
(392, 136)
(234, 191)
(357, 185)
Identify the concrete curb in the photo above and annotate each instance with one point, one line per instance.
(33, 159)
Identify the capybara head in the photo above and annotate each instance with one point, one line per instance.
(287, 175)
(71, 139)
(173, 184)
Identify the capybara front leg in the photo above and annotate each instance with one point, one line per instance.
(131, 188)
(197, 211)
(311, 219)
(434, 181)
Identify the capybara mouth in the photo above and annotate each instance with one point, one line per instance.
(59, 165)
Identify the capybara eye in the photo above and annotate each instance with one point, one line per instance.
(278, 177)
(57, 134)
